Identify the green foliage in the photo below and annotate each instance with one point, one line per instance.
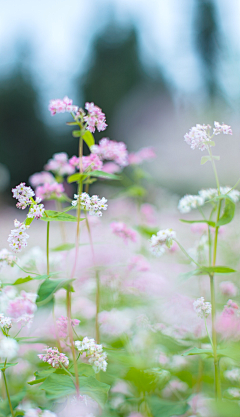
(3, 366)
(197, 351)
(89, 139)
(58, 216)
(207, 158)
(166, 408)
(209, 222)
(98, 174)
(20, 281)
(228, 213)
(15, 400)
(49, 287)
(147, 231)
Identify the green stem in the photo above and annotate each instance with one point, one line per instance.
(7, 392)
(186, 254)
(70, 332)
(208, 332)
(48, 226)
(214, 170)
(26, 272)
(65, 369)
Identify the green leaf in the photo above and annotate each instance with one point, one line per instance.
(28, 221)
(58, 216)
(3, 366)
(217, 270)
(48, 288)
(197, 351)
(15, 400)
(72, 123)
(76, 133)
(211, 142)
(210, 223)
(186, 275)
(20, 281)
(164, 408)
(135, 191)
(88, 139)
(147, 231)
(61, 385)
(103, 174)
(225, 408)
(65, 246)
(205, 159)
(228, 213)
(217, 158)
(41, 376)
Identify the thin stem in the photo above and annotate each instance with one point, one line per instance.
(208, 332)
(214, 169)
(186, 254)
(65, 369)
(26, 272)
(7, 392)
(48, 226)
(70, 332)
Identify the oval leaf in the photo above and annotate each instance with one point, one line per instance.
(88, 139)
(228, 213)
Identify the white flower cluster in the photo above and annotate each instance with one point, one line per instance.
(163, 239)
(94, 352)
(189, 202)
(93, 204)
(6, 258)
(5, 322)
(8, 348)
(199, 135)
(25, 195)
(234, 392)
(18, 236)
(202, 308)
(233, 375)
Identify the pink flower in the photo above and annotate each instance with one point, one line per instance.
(41, 178)
(54, 357)
(111, 151)
(62, 106)
(111, 168)
(91, 162)
(59, 164)
(228, 288)
(62, 325)
(95, 118)
(120, 229)
(139, 263)
(148, 212)
(140, 156)
(228, 323)
(22, 305)
(48, 191)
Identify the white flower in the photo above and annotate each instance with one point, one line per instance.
(202, 308)
(18, 237)
(5, 322)
(189, 202)
(94, 205)
(6, 258)
(225, 129)
(164, 238)
(233, 375)
(8, 348)
(94, 352)
(234, 392)
(36, 211)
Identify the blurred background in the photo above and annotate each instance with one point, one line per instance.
(155, 67)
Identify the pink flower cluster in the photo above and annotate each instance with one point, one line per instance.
(140, 156)
(228, 323)
(228, 288)
(23, 194)
(199, 136)
(18, 236)
(54, 357)
(91, 162)
(23, 307)
(48, 191)
(225, 129)
(59, 164)
(120, 229)
(40, 178)
(62, 106)
(112, 151)
(95, 118)
(62, 325)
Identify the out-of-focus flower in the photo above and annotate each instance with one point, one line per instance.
(5, 322)
(59, 164)
(94, 353)
(22, 305)
(228, 323)
(202, 308)
(18, 237)
(163, 239)
(189, 202)
(40, 178)
(173, 386)
(120, 229)
(225, 129)
(234, 392)
(233, 375)
(94, 205)
(62, 106)
(111, 168)
(6, 258)
(62, 325)
(115, 322)
(8, 348)
(149, 213)
(111, 151)
(54, 357)
(140, 156)
(199, 135)
(139, 263)
(90, 162)
(48, 191)
(228, 288)
(95, 118)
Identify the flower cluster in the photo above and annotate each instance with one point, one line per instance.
(199, 137)
(54, 357)
(140, 156)
(49, 190)
(23, 194)
(6, 258)
(93, 204)
(233, 375)
(62, 325)
(18, 236)
(36, 211)
(59, 164)
(111, 151)
(37, 412)
(202, 308)
(8, 348)
(94, 353)
(164, 238)
(228, 288)
(189, 202)
(91, 162)
(95, 118)
(62, 106)
(120, 229)
(40, 178)
(5, 322)
(23, 307)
